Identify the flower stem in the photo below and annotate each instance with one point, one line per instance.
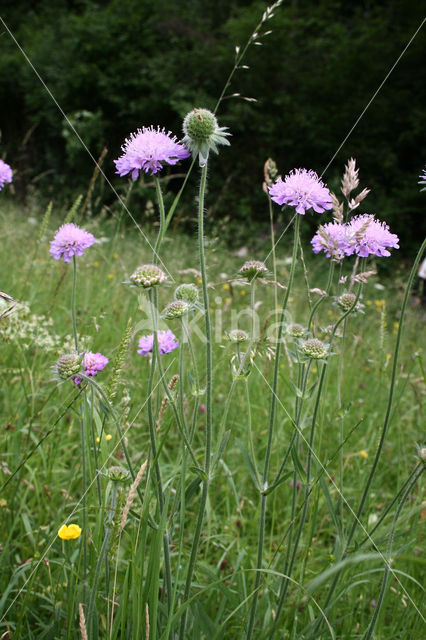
(73, 296)
(263, 498)
(151, 426)
(162, 229)
(209, 370)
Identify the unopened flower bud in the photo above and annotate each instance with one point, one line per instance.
(346, 301)
(148, 275)
(238, 335)
(296, 331)
(314, 349)
(252, 269)
(118, 474)
(187, 293)
(203, 133)
(68, 365)
(176, 309)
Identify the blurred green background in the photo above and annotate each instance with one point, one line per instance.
(118, 65)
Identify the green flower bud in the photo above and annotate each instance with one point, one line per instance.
(118, 474)
(238, 335)
(296, 331)
(346, 301)
(68, 365)
(175, 309)
(314, 349)
(252, 269)
(203, 133)
(187, 293)
(148, 275)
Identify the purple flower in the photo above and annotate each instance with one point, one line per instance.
(422, 177)
(147, 150)
(5, 174)
(92, 363)
(166, 343)
(331, 238)
(70, 240)
(366, 236)
(301, 189)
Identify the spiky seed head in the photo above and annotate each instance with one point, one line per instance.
(176, 309)
(238, 335)
(253, 269)
(148, 275)
(187, 292)
(314, 349)
(68, 365)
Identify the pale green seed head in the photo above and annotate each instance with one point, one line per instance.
(68, 365)
(187, 293)
(238, 335)
(314, 349)
(176, 309)
(148, 275)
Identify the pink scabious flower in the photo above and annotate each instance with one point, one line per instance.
(422, 177)
(302, 189)
(331, 238)
(5, 174)
(92, 363)
(147, 150)
(366, 236)
(70, 240)
(166, 343)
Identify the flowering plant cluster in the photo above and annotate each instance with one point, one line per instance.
(70, 240)
(5, 174)
(167, 342)
(149, 150)
(362, 236)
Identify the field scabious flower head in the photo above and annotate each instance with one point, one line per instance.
(203, 133)
(5, 174)
(366, 236)
(346, 302)
(176, 309)
(422, 177)
(69, 532)
(148, 275)
(187, 293)
(166, 343)
(70, 240)
(296, 331)
(253, 269)
(303, 190)
(148, 150)
(238, 335)
(331, 238)
(92, 363)
(314, 349)
(118, 474)
(68, 365)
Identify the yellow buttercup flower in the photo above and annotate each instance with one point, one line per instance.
(363, 454)
(108, 437)
(69, 532)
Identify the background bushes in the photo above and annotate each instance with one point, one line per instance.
(115, 66)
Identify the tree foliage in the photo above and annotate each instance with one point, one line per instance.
(114, 66)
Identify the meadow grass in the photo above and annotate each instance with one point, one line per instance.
(119, 572)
